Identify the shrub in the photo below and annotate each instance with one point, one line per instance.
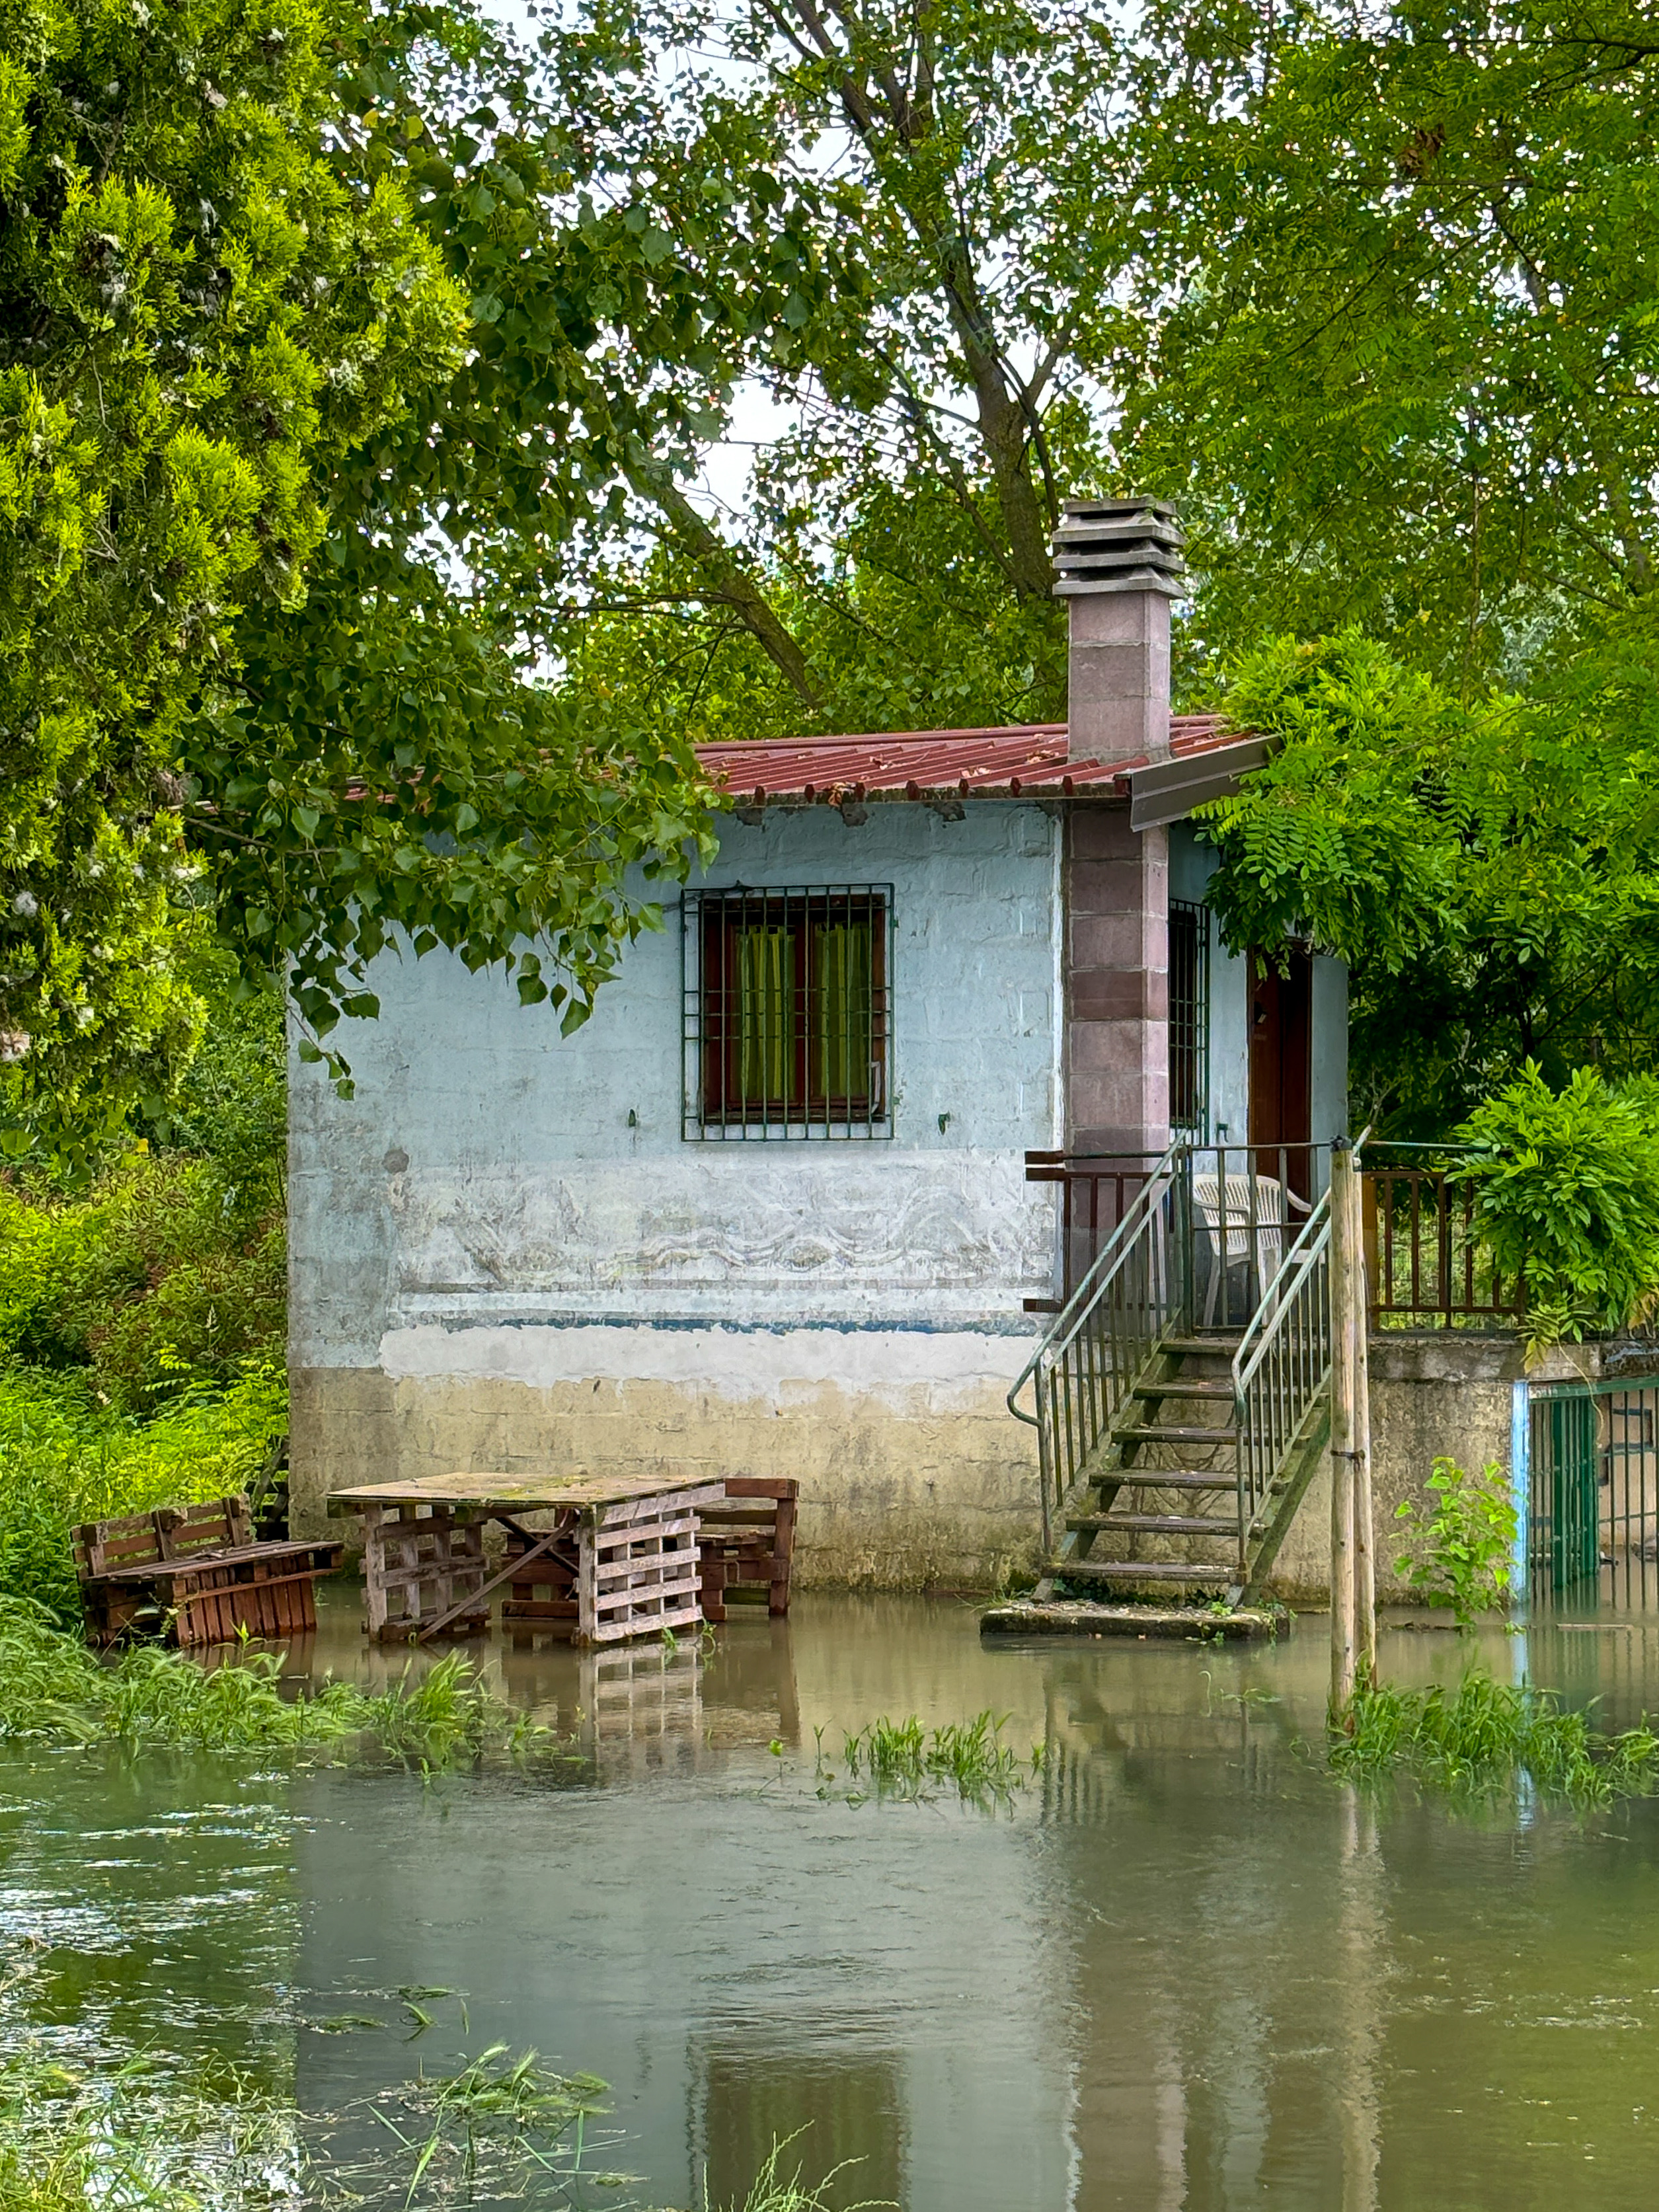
(1466, 1541)
(154, 1280)
(1567, 1195)
(64, 1459)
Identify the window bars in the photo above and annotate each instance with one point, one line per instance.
(787, 1029)
(1189, 1018)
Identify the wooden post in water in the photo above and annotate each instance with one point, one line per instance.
(1364, 1532)
(1345, 1267)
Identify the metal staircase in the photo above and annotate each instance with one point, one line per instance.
(1173, 1457)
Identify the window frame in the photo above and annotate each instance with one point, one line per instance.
(1189, 1035)
(710, 922)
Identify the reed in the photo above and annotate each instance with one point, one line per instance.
(1484, 1733)
(775, 2189)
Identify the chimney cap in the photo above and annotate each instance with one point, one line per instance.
(1119, 545)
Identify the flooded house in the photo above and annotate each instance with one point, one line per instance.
(786, 1205)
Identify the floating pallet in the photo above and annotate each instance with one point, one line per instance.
(194, 1576)
(748, 1543)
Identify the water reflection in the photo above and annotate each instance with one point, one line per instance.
(1186, 1969)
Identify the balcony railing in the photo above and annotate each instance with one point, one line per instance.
(1426, 1263)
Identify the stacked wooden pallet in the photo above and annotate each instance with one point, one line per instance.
(748, 1543)
(194, 1575)
(618, 1557)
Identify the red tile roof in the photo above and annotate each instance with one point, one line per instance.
(1027, 759)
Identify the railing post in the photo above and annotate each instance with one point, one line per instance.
(1344, 1268)
(1181, 1192)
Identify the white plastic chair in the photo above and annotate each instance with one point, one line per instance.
(1261, 1239)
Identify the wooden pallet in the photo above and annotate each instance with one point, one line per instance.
(422, 1562)
(194, 1575)
(748, 1543)
(617, 1558)
(638, 1570)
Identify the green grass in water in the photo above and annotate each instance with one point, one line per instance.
(52, 1686)
(1482, 1734)
(901, 1758)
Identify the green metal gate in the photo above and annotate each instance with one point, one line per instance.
(1565, 1547)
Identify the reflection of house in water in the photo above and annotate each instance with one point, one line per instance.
(747, 2096)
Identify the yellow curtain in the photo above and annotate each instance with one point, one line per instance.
(766, 1015)
(841, 1012)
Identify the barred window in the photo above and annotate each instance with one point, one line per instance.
(1189, 1018)
(787, 1021)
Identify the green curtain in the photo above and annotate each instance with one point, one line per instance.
(766, 1015)
(841, 1012)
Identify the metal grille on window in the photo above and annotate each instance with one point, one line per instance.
(1189, 1018)
(787, 1023)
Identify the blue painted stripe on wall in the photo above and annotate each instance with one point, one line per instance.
(1019, 1325)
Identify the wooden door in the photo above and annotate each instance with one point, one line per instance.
(1281, 1063)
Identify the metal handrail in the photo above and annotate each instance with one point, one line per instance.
(1093, 1349)
(1282, 1363)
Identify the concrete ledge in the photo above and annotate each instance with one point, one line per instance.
(1076, 1617)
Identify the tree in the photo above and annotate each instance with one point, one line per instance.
(195, 312)
(1399, 348)
(239, 691)
(905, 226)
(1487, 868)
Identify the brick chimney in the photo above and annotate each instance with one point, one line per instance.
(1118, 566)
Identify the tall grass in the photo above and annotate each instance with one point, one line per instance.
(500, 2130)
(901, 1758)
(1484, 1733)
(52, 1687)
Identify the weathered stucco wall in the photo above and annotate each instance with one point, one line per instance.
(505, 1254)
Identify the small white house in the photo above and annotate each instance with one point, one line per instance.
(768, 1212)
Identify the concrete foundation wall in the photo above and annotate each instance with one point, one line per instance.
(1441, 1392)
(913, 1474)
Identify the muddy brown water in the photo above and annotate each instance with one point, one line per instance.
(1183, 1969)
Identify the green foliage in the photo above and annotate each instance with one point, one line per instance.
(1487, 867)
(901, 1758)
(1465, 1543)
(1394, 356)
(230, 1104)
(200, 312)
(1485, 1734)
(1567, 1195)
(52, 1687)
(77, 2142)
(64, 1460)
(164, 1276)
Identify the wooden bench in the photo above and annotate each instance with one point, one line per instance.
(195, 1575)
(748, 1542)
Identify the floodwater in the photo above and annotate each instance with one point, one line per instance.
(1183, 1968)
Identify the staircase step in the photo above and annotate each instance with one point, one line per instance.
(1157, 1524)
(1194, 1347)
(1165, 1478)
(1167, 1433)
(1180, 1388)
(1137, 1570)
